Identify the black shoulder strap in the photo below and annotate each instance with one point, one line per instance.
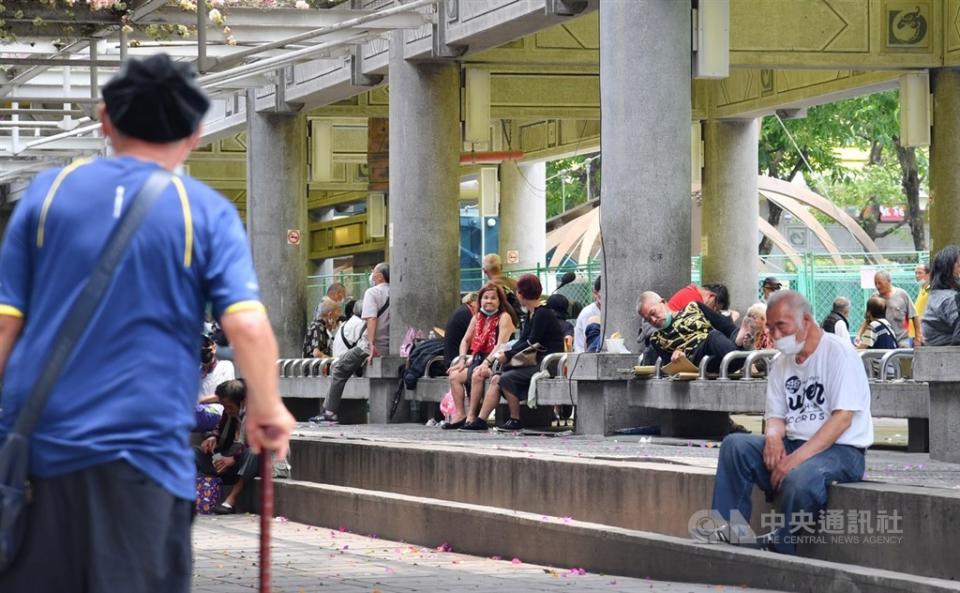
(363, 330)
(343, 335)
(89, 299)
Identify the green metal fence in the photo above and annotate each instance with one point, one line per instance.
(816, 276)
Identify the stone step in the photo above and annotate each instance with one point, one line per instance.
(563, 542)
(655, 495)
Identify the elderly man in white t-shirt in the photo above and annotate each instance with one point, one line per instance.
(818, 424)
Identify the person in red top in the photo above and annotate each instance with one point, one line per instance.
(492, 326)
(690, 294)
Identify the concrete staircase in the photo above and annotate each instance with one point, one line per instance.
(617, 517)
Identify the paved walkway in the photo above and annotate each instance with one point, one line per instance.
(315, 560)
(892, 467)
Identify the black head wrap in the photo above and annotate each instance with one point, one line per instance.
(155, 99)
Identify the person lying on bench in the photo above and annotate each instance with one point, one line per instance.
(691, 332)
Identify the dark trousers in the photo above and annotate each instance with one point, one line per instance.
(804, 489)
(716, 346)
(342, 370)
(104, 529)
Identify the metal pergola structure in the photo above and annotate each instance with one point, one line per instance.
(51, 73)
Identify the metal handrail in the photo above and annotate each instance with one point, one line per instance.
(325, 365)
(658, 368)
(314, 367)
(298, 365)
(867, 355)
(752, 358)
(728, 359)
(284, 364)
(548, 359)
(890, 356)
(430, 362)
(562, 365)
(703, 367)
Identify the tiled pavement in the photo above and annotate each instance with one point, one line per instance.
(316, 560)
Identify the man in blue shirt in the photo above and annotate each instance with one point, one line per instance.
(112, 475)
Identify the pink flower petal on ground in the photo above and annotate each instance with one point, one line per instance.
(567, 519)
(495, 558)
(516, 561)
(444, 547)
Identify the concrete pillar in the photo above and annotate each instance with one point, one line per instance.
(730, 208)
(523, 212)
(424, 230)
(645, 141)
(276, 204)
(944, 155)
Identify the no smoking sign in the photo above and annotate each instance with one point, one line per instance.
(293, 237)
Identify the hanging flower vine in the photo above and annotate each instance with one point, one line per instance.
(217, 13)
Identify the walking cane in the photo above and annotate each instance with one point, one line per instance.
(266, 517)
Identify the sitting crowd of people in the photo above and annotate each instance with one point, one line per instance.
(817, 420)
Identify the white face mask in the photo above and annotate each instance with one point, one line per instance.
(789, 345)
(372, 282)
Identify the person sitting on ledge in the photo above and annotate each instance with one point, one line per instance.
(490, 328)
(693, 332)
(941, 322)
(543, 329)
(224, 451)
(818, 427)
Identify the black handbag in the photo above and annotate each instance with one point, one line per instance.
(15, 450)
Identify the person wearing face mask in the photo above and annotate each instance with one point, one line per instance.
(818, 427)
(374, 340)
(213, 372)
(491, 327)
(941, 321)
(694, 332)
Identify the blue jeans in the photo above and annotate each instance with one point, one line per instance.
(803, 489)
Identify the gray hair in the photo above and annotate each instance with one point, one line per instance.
(384, 270)
(470, 297)
(883, 274)
(841, 303)
(648, 298)
(328, 306)
(794, 301)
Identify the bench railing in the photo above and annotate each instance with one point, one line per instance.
(889, 357)
(304, 367)
(703, 367)
(753, 357)
(560, 358)
(728, 359)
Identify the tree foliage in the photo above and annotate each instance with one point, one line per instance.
(893, 174)
(568, 182)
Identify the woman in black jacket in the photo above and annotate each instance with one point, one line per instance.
(542, 328)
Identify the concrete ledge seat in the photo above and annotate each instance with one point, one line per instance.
(661, 495)
(938, 366)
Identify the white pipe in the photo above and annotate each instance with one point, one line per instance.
(349, 23)
(280, 61)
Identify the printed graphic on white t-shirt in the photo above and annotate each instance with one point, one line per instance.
(806, 395)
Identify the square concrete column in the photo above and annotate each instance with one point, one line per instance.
(944, 156)
(523, 212)
(730, 208)
(645, 141)
(276, 205)
(424, 233)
